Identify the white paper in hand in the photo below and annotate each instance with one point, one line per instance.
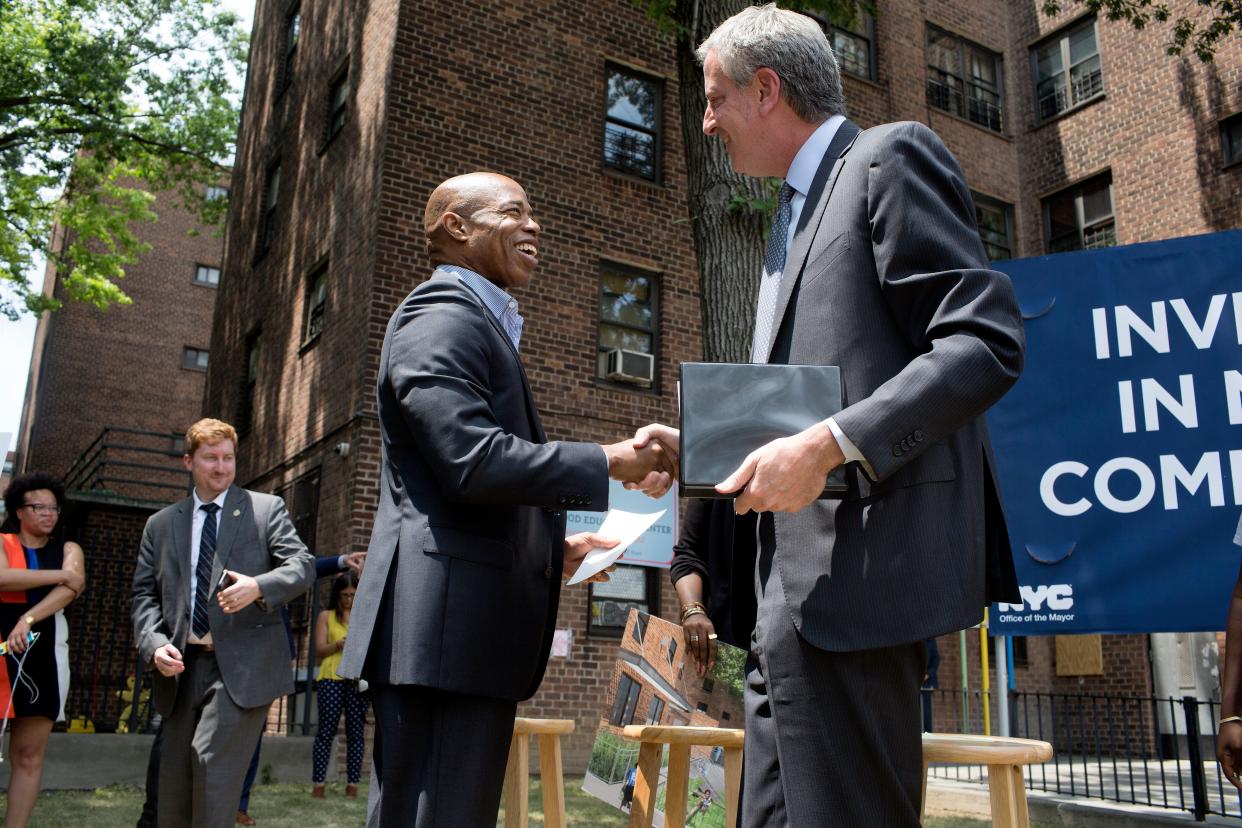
(625, 527)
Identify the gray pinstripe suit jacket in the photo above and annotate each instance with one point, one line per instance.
(252, 648)
(894, 287)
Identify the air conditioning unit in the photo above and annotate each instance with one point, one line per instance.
(630, 366)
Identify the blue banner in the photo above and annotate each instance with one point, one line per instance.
(1119, 451)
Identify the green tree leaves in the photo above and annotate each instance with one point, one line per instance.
(102, 104)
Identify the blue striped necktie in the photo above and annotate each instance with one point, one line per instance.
(770, 284)
(202, 573)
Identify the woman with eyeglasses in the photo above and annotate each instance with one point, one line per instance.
(336, 694)
(39, 576)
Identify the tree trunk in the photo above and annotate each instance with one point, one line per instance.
(728, 227)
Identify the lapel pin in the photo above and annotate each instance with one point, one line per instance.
(237, 513)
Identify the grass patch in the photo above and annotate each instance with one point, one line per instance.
(290, 806)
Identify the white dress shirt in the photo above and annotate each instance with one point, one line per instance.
(196, 538)
(800, 177)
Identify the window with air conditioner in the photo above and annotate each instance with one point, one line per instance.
(628, 327)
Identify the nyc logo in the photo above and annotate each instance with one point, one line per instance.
(1055, 597)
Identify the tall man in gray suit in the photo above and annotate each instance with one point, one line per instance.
(874, 264)
(213, 572)
(455, 613)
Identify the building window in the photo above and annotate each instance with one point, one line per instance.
(672, 649)
(654, 711)
(214, 193)
(854, 44)
(623, 705)
(628, 324)
(964, 79)
(1231, 139)
(250, 384)
(316, 303)
(271, 200)
(632, 124)
(1067, 71)
(1081, 217)
(1021, 657)
(995, 220)
(206, 275)
(708, 685)
(194, 359)
(338, 103)
(701, 707)
(293, 31)
(609, 604)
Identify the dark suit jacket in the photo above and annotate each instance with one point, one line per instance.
(463, 571)
(720, 547)
(256, 538)
(891, 283)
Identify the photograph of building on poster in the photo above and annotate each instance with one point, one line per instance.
(654, 681)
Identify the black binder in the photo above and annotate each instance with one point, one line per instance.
(730, 409)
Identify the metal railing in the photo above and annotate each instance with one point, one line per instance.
(131, 463)
(1142, 750)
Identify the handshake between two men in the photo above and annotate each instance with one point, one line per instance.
(783, 476)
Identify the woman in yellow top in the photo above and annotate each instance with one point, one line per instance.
(335, 693)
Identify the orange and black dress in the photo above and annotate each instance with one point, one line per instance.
(43, 685)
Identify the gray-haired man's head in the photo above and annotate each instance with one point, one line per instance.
(790, 44)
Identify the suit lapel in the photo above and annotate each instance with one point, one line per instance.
(236, 509)
(183, 534)
(809, 219)
(529, 395)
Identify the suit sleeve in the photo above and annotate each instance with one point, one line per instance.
(960, 318)
(440, 368)
(330, 565)
(146, 612)
(293, 570)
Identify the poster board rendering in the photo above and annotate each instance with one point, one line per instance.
(655, 681)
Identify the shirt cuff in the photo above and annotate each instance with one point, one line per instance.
(340, 562)
(851, 452)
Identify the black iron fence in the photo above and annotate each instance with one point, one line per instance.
(1141, 750)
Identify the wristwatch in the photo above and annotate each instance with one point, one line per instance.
(30, 620)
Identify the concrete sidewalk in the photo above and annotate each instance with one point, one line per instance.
(83, 761)
(950, 798)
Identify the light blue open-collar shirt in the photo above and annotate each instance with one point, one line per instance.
(497, 300)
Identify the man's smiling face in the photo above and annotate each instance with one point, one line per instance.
(502, 241)
(731, 116)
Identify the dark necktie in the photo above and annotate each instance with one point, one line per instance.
(770, 284)
(206, 557)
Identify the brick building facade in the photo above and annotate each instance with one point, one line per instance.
(109, 396)
(353, 114)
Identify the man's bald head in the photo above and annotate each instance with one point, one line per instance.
(477, 221)
(462, 195)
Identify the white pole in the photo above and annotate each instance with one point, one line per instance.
(1002, 686)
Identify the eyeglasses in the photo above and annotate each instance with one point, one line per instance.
(42, 508)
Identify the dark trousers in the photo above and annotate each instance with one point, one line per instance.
(439, 757)
(150, 806)
(208, 743)
(831, 738)
(334, 697)
(244, 803)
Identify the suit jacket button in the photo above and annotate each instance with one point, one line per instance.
(897, 452)
(547, 573)
(561, 500)
(918, 435)
(586, 501)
